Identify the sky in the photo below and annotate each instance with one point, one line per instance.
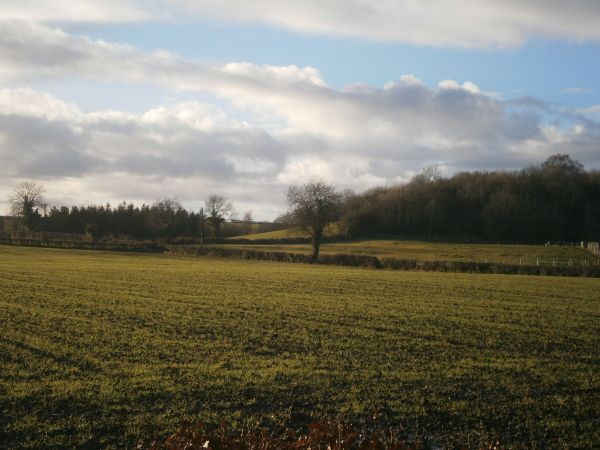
(138, 100)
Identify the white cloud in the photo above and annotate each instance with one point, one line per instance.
(28, 103)
(91, 11)
(592, 112)
(297, 98)
(459, 23)
(30, 51)
(181, 139)
(467, 86)
(408, 79)
(442, 23)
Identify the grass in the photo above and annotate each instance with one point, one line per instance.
(433, 251)
(332, 229)
(99, 350)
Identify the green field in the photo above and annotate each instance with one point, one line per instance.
(102, 349)
(331, 230)
(434, 251)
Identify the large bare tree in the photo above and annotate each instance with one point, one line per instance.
(162, 218)
(312, 206)
(218, 209)
(25, 201)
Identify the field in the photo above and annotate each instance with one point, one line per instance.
(434, 251)
(331, 230)
(102, 349)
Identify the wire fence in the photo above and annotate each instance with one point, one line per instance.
(560, 262)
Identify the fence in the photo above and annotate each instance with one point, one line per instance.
(560, 262)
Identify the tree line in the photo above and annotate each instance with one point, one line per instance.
(557, 200)
(164, 219)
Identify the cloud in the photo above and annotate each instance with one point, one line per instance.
(25, 102)
(441, 23)
(191, 148)
(591, 113)
(295, 98)
(591, 109)
(34, 51)
(186, 149)
(34, 147)
(184, 139)
(577, 90)
(80, 11)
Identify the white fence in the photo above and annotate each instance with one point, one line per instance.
(560, 262)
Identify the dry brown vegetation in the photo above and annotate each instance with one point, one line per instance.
(330, 435)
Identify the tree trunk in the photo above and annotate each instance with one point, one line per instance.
(316, 244)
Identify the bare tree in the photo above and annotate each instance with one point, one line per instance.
(218, 209)
(25, 201)
(312, 206)
(248, 219)
(429, 174)
(163, 215)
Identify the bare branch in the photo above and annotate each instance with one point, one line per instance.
(218, 209)
(312, 206)
(26, 196)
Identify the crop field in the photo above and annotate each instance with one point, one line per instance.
(100, 350)
(434, 251)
